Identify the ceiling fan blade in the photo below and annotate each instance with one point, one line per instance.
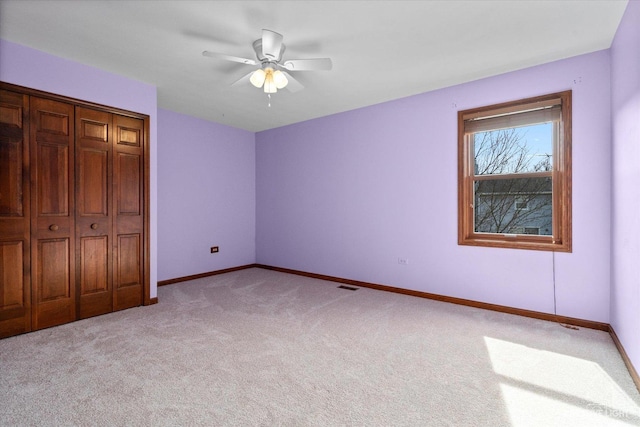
(293, 85)
(271, 44)
(242, 80)
(228, 57)
(315, 64)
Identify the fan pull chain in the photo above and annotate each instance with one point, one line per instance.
(269, 96)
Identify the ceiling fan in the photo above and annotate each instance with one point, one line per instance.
(273, 72)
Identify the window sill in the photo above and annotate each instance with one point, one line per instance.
(536, 243)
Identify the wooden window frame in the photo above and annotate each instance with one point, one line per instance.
(560, 241)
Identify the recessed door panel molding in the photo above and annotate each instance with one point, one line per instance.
(11, 187)
(54, 287)
(53, 270)
(93, 182)
(93, 265)
(129, 260)
(52, 171)
(93, 130)
(94, 276)
(129, 132)
(11, 115)
(128, 176)
(54, 123)
(12, 295)
(129, 272)
(129, 136)
(12, 136)
(15, 218)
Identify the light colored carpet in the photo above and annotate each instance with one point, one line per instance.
(262, 348)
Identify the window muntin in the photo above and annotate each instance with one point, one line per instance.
(514, 174)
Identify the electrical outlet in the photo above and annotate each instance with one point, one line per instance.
(403, 261)
(214, 249)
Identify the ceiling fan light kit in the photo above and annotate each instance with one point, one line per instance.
(269, 84)
(272, 74)
(279, 79)
(270, 79)
(258, 77)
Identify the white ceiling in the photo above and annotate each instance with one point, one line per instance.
(381, 50)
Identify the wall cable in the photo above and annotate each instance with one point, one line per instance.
(555, 307)
(553, 271)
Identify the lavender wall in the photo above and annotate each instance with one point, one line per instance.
(206, 196)
(35, 69)
(347, 195)
(625, 254)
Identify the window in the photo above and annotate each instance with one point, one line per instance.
(532, 230)
(522, 204)
(514, 174)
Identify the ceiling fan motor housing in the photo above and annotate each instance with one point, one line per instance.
(257, 47)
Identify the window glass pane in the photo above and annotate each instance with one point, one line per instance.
(514, 150)
(513, 206)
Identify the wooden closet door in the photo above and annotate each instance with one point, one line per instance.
(15, 275)
(93, 220)
(128, 211)
(52, 213)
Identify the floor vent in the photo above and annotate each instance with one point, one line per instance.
(349, 288)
